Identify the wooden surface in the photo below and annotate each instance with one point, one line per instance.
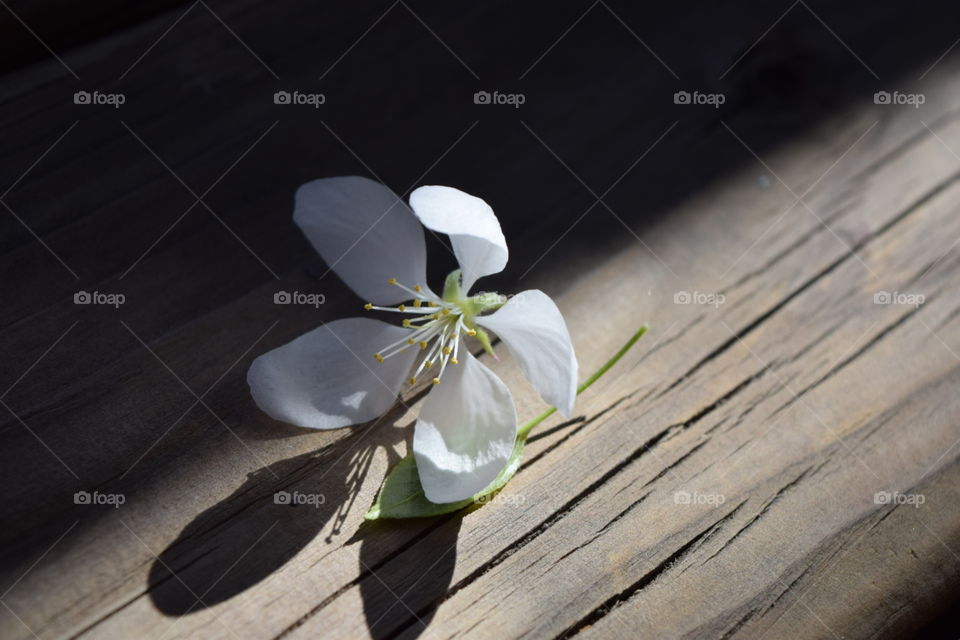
(782, 410)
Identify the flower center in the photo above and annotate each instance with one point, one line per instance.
(436, 325)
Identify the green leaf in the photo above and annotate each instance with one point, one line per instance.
(402, 496)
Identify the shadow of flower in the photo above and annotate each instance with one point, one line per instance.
(267, 520)
(401, 592)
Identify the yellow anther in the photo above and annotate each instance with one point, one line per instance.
(402, 307)
(417, 302)
(454, 361)
(417, 288)
(429, 363)
(448, 350)
(446, 312)
(412, 380)
(436, 381)
(406, 323)
(410, 340)
(423, 345)
(368, 306)
(392, 281)
(471, 332)
(378, 357)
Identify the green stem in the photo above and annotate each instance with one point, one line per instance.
(525, 430)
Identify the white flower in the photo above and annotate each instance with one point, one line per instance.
(350, 371)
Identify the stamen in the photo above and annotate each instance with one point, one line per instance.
(424, 332)
(415, 292)
(428, 360)
(441, 350)
(447, 349)
(402, 309)
(436, 330)
(443, 365)
(456, 342)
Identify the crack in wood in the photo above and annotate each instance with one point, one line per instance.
(846, 361)
(604, 528)
(764, 509)
(646, 579)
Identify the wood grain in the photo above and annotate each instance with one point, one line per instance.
(780, 412)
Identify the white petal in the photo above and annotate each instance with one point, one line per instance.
(365, 233)
(465, 433)
(531, 326)
(472, 226)
(327, 378)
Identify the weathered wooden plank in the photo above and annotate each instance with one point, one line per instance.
(824, 249)
(652, 556)
(800, 301)
(847, 338)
